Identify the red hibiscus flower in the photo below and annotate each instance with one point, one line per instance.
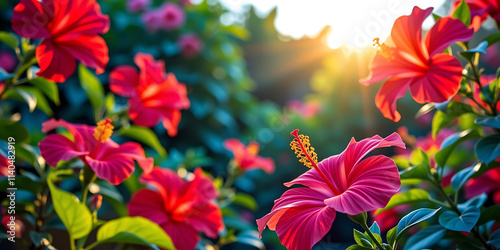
(488, 182)
(419, 64)
(154, 96)
(182, 208)
(346, 183)
(485, 81)
(69, 29)
(480, 9)
(247, 158)
(92, 145)
(390, 217)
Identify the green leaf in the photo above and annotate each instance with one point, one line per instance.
(451, 142)
(245, 200)
(237, 31)
(22, 183)
(5, 75)
(410, 196)
(28, 97)
(415, 172)
(453, 110)
(489, 214)
(13, 129)
(391, 236)
(414, 218)
(92, 87)
(362, 239)
(41, 102)
(49, 88)
(492, 39)
(148, 231)
(425, 238)
(495, 239)
(9, 39)
(488, 149)
(144, 135)
(251, 238)
(493, 122)
(375, 228)
(126, 237)
(477, 201)
(74, 215)
(419, 157)
(110, 102)
(357, 247)
(463, 223)
(40, 239)
(462, 12)
(459, 179)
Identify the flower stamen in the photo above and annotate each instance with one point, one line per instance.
(302, 148)
(384, 50)
(104, 130)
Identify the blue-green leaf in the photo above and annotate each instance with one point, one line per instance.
(493, 122)
(451, 142)
(495, 239)
(414, 218)
(477, 201)
(375, 228)
(463, 223)
(425, 238)
(459, 179)
(488, 149)
(480, 48)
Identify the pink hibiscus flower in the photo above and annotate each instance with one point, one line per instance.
(488, 182)
(182, 208)
(92, 145)
(137, 5)
(8, 61)
(169, 16)
(247, 158)
(305, 109)
(69, 30)
(419, 64)
(190, 45)
(154, 96)
(346, 183)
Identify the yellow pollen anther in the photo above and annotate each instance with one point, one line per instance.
(253, 148)
(384, 50)
(302, 152)
(104, 130)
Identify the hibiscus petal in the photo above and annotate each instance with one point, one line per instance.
(207, 219)
(313, 180)
(143, 116)
(198, 191)
(148, 204)
(371, 184)
(77, 17)
(55, 148)
(171, 120)
(382, 68)
(123, 81)
(446, 31)
(441, 82)
(236, 147)
(91, 50)
(80, 133)
(391, 91)
(264, 163)
(30, 19)
(166, 182)
(55, 64)
(151, 71)
(183, 235)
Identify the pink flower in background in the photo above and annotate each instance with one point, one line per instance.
(488, 182)
(346, 183)
(247, 157)
(478, 11)
(390, 217)
(482, 8)
(109, 160)
(70, 31)
(485, 80)
(154, 96)
(169, 16)
(305, 109)
(491, 57)
(4, 166)
(182, 208)
(8, 61)
(408, 61)
(134, 6)
(190, 45)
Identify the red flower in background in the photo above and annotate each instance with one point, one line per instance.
(69, 29)
(247, 157)
(390, 217)
(305, 109)
(346, 183)
(154, 96)
(478, 12)
(92, 145)
(485, 81)
(488, 182)
(182, 208)
(419, 64)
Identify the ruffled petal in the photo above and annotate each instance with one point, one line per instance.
(391, 91)
(166, 182)
(371, 184)
(55, 148)
(299, 217)
(313, 180)
(55, 64)
(196, 193)
(171, 120)
(236, 147)
(264, 163)
(123, 80)
(148, 204)
(151, 71)
(30, 19)
(77, 17)
(441, 82)
(92, 51)
(183, 235)
(446, 31)
(207, 219)
(381, 68)
(82, 134)
(143, 116)
(169, 94)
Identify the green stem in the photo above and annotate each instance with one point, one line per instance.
(72, 243)
(369, 232)
(92, 245)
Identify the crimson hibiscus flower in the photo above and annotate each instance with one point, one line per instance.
(182, 208)
(346, 183)
(153, 95)
(247, 158)
(92, 145)
(419, 64)
(69, 30)
(485, 183)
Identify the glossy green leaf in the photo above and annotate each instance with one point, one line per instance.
(357, 247)
(453, 110)
(420, 157)
(362, 239)
(489, 214)
(493, 122)
(144, 135)
(415, 172)
(477, 201)
(463, 223)
(9, 39)
(251, 238)
(410, 196)
(28, 97)
(41, 102)
(245, 200)
(459, 179)
(495, 239)
(488, 149)
(392, 235)
(92, 86)
(16, 130)
(425, 238)
(414, 218)
(75, 216)
(462, 12)
(143, 228)
(49, 88)
(451, 142)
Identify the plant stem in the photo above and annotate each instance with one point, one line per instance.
(367, 229)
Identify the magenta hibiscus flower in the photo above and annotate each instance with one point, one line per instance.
(92, 145)
(154, 96)
(419, 64)
(247, 157)
(346, 183)
(182, 208)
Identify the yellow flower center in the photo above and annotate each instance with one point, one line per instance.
(384, 50)
(103, 130)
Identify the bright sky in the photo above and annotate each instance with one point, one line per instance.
(355, 22)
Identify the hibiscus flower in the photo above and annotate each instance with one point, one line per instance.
(488, 182)
(480, 9)
(154, 96)
(182, 208)
(109, 160)
(69, 30)
(408, 61)
(247, 158)
(346, 183)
